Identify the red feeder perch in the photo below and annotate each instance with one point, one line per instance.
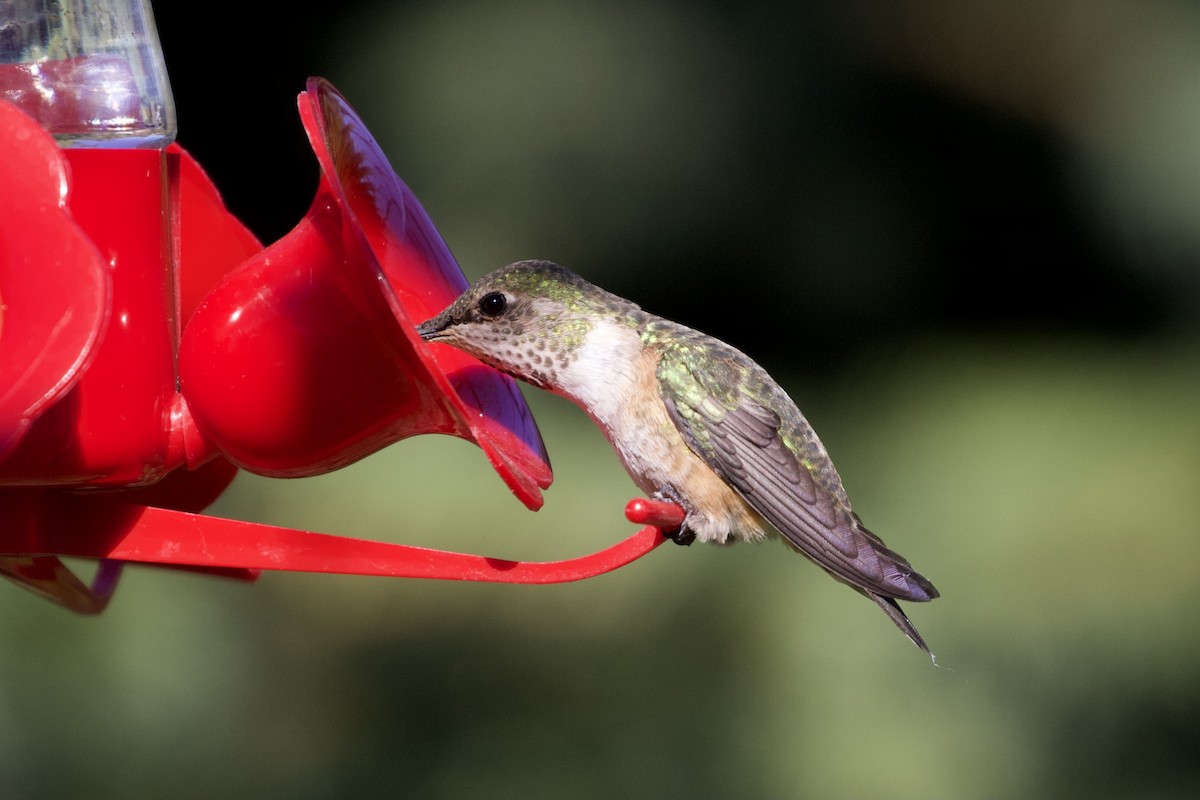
(149, 346)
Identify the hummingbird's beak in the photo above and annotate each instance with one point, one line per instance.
(431, 329)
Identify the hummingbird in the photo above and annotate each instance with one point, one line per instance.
(693, 420)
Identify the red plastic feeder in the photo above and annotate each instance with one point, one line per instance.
(149, 347)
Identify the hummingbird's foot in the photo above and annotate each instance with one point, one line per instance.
(683, 535)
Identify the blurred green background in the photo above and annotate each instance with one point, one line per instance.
(963, 235)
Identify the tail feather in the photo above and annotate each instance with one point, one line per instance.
(892, 609)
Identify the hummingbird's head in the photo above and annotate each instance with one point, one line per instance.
(527, 319)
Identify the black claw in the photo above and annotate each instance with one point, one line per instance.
(682, 535)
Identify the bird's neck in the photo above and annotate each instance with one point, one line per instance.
(604, 371)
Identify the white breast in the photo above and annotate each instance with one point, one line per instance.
(613, 380)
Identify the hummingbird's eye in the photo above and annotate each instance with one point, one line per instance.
(493, 305)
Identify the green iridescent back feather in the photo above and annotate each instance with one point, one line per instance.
(706, 373)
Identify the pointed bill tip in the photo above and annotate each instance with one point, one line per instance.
(431, 329)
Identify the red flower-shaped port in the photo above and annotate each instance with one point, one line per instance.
(55, 292)
(305, 358)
